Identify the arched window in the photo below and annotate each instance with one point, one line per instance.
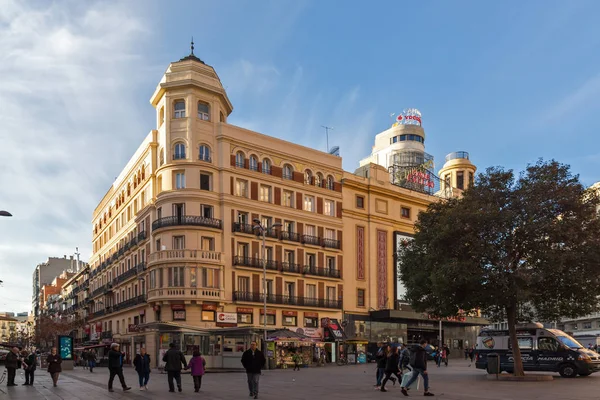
(330, 182)
(179, 109)
(253, 164)
(179, 153)
(203, 111)
(266, 166)
(319, 179)
(161, 157)
(288, 172)
(240, 160)
(308, 177)
(204, 153)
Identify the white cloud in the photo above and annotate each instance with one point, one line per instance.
(582, 98)
(68, 119)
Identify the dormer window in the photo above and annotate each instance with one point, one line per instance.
(179, 153)
(203, 111)
(179, 109)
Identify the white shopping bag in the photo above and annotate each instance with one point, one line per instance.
(407, 376)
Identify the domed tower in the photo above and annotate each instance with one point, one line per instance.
(457, 173)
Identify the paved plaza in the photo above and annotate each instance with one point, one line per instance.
(346, 382)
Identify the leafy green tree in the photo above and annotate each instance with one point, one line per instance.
(518, 249)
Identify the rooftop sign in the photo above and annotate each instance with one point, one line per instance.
(409, 116)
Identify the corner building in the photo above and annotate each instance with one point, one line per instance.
(176, 257)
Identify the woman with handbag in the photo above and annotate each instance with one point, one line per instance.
(29, 366)
(54, 366)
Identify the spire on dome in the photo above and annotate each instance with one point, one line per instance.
(192, 56)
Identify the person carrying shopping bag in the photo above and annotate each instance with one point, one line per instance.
(418, 362)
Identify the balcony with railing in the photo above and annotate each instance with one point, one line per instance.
(186, 293)
(142, 236)
(141, 267)
(325, 272)
(134, 301)
(203, 256)
(255, 263)
(314, 240)
(244, 228)
(99, 291)
(298, 301)
(187, 220)
(125, 275)
(273, 265)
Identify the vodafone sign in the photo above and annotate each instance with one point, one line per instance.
(226, 318)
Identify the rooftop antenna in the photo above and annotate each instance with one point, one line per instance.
(327, 129)
(192, 46)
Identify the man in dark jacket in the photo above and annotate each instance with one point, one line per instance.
(418, 362)
(253, 361)
(115, 367)
(142, 367)
(380, 359)
(12, 363)
(174, 360)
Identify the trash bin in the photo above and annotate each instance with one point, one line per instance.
(493, 363)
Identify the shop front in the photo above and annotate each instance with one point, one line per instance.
(357, 351)
(286, 344)
(333, 337)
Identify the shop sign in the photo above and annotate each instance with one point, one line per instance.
(269, 312)
(289, 313)
(179, 315)
(177, 306)
(314, 333)
(209, 307)
(245, 310)
(227, 318)
(456, 318)
(311, 315)
(134, 328)
(98, 327)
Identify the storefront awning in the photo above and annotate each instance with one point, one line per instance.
(332, 330)
(287, 335)
(170, 326)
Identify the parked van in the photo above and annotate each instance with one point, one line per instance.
(541, 350)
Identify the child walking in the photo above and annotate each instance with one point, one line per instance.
(197, 365)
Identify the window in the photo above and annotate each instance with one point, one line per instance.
(331, 293)
(319, 179)
(525, 343)
(330, 234)
(179, 153)
(205, 181)
(244, 318)
(289, 256)
(311, 291)
(288, 172)
(405, 212)
(207, 211)
(179, 109)
(548, 344)
(311, 322)
(178, 242)
(587, 325)
(204, 153)
(243, 218)
(180, 180)
(308, 178)
(270, 319)
(176, 276)
(193, 277)
(267, 222)
(311, 260)
(240, 160)
(460, 180)
(243, 284)
(210, 278)
(207, 243)
(360, 297)
(360, 202)
(253, 163)
(309, 203)
(310, 230)
(242, 250)
(575, 327)
(330, 263)
(329, 208)
(266, 166)
(208, 315)
(241, 188)
(161, 157)
(470, 178)
(289, 320)
(330, 182)
(265, 193)
(288, 198)
(203, 111)
(290, 289)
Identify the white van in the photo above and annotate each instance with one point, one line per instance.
(541, 350)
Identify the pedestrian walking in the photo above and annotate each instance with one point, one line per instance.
(12, 363)
(115, 367)
(142, 367)
(29, 366)
(54, 365)
(174, 360)
(471, 355)
(446, 356)
(297, 359)
(92, 360)
(466, 353)
(404, 357)
(391, 367)
(197, 366)
(253, 361)
(418, 362)
(84, 359)
(381, 360)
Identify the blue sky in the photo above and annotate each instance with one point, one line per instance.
(507, 81)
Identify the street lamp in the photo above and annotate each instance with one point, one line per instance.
(5, 214)
(263, 230)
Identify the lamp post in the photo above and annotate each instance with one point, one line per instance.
(5, 214)
(263, 230)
